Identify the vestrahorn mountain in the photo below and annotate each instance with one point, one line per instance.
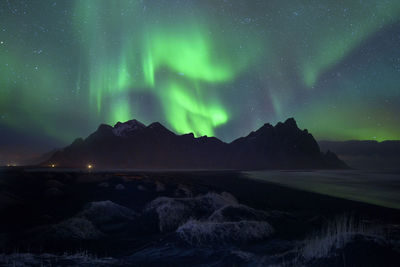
(135, 145)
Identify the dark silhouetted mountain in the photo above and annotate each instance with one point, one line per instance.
(134, 145)
(368, 154)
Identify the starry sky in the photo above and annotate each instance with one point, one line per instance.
(212, 67)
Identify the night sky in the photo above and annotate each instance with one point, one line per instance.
(213, 67)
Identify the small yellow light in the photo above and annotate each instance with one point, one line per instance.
(53, 165)
(89, 166)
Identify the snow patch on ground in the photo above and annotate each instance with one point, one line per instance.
(235, 213)
(203, 233)
(104, 185)
(119, 187)
(91, 223)
(101, 212)
(172, 212)
(160, 187)
(141, 188)
(76, 259)
(183, 191)
(72, 229)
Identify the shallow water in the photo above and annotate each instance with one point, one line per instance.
(378, 188)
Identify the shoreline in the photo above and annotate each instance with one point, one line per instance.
(122, 213)
(264, 194)
(269, 193)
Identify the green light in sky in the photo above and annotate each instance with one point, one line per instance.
(188, 114)
(188, 51)
(148, 69)
(198, 65)
(331, 45)
(120, 111)
(151, 55)
(341, 126)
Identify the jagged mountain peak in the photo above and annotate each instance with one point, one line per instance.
(291, 122)
(126, 128)
(157, 126)
(133, 145)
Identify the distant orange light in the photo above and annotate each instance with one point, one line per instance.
(53, 165)
(89, 166)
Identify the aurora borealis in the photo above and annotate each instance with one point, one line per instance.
(214, 67)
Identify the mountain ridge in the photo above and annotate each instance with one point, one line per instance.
(134, 145)
(366, 154)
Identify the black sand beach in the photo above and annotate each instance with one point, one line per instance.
(124, 217)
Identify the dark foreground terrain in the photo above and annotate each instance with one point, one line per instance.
(53, 217)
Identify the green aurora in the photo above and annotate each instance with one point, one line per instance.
(215, 68)
(175, 59)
